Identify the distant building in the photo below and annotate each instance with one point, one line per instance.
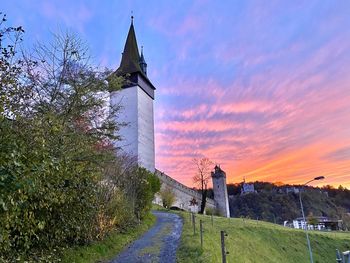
(293, 189)
(287, 224)
(247, 188)
(323, 223)
(324, 192)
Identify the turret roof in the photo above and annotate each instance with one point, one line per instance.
(142, 59)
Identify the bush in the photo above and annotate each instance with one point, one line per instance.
(209, 211)
(114, 211)
(48, 198)
(148, 186)
(168, 197)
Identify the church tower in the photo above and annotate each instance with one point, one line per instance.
(136, 98)
(220, 191)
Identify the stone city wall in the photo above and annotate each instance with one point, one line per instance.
(183, 194)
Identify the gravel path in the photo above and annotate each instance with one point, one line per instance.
(159, 244)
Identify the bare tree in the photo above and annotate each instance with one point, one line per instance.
(202, 178)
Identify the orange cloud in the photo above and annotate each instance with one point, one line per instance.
(286, 121)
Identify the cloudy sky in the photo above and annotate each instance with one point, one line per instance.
(260, 87)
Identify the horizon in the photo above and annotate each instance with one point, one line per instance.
(260, 88)
(281, 184)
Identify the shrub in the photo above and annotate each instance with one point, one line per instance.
(149, 184)
(52, 148)
(167, 196)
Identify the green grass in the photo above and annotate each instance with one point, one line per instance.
(160, 208)
(111, 246)
(251, 241)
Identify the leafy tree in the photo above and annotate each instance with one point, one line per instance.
(311, 219)
(149, 185)
(137, 183)
(61, 182)
(54, 139)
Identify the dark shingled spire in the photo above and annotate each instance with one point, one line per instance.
(133, 67)
(131, 57)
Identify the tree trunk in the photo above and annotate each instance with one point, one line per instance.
(204, 200)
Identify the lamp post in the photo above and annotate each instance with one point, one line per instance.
(302, 211)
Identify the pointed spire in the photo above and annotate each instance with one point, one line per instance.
(131, 56)
(142, 58)
(133, 67)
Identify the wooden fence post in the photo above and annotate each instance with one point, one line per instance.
(201, 232)
(194, 223)
(223, 250)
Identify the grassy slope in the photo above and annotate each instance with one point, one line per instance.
(108, 248)
(252, 241)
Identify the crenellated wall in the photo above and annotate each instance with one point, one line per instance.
(183, 194)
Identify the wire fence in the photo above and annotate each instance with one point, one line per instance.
(206, 224)
(222, 249)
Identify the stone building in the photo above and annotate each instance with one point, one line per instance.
(247, 188)
(220, 191)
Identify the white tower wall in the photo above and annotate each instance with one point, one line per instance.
(138, 135)
(146, 152)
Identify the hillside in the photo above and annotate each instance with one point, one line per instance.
(278, 203)
(251, 241)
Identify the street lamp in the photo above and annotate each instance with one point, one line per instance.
(302, 211)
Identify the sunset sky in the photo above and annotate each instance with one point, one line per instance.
(260, 87)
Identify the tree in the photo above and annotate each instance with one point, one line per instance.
(311, 219)
(54, 142)
(168, 197)
(202, 177)
(137, 183)
(11, 69)
(148, 185)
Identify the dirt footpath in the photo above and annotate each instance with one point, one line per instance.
(159, 244)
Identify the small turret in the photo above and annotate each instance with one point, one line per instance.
(143, 64)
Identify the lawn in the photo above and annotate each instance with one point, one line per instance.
(250, 241)
(111, 246)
